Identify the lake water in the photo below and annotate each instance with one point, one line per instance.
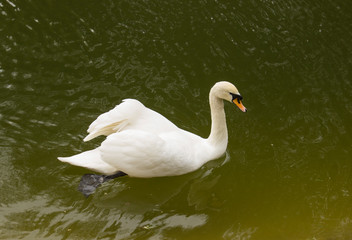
(287, 173)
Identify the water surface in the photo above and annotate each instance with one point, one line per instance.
(287, 169)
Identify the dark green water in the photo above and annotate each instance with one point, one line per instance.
(287, 173)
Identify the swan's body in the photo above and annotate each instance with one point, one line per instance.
(142, 143)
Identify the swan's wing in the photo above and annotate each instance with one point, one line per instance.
(130, 114)
(142, 154)
(114, 120)
(133, 152)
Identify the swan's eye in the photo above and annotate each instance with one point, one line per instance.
(237, 97)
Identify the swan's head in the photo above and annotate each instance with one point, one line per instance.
(229, 92)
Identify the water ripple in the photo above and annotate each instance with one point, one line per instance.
(65, 63)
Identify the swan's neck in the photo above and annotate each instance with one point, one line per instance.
(218, 134)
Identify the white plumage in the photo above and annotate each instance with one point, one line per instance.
(142, 143)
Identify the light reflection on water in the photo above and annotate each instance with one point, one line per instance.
(286, 174)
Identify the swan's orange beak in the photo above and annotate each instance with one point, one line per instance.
(239, 104)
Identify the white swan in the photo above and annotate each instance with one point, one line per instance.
(143, 143)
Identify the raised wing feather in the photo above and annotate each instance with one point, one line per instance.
(130, 114)
(114, 120)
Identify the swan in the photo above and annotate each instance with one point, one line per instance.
(143, 143)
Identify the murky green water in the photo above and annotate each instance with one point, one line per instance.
(287, 173)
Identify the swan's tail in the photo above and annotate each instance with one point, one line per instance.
(91, 160)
